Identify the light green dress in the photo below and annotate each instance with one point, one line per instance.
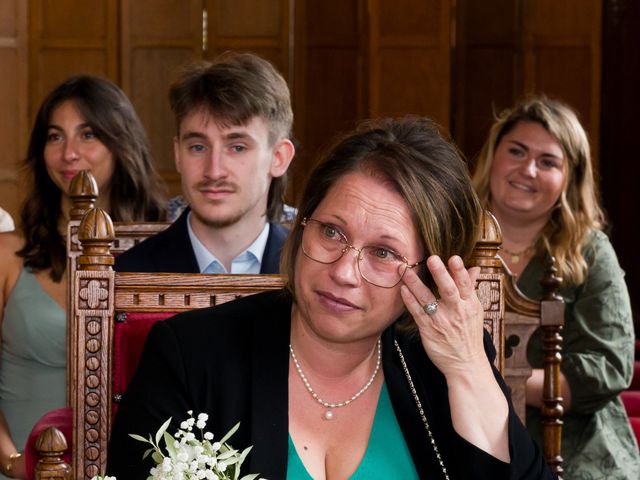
(387, 455)
(597, 360)
(33, 360)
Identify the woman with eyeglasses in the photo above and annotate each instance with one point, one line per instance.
(373, 363)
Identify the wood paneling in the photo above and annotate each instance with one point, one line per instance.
(260, 26)
(152, 54)
(14, 100)
(409, 58)
(328, 87)
(508, 48)
(68, 37)
(563, 56)
(619, 164)
(486, 69)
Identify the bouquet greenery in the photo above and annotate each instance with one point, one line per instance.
(187, 457)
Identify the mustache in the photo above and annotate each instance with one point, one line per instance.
(216, 184)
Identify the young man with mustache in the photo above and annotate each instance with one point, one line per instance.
(232, 150)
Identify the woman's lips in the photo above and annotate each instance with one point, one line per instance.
(333, 302)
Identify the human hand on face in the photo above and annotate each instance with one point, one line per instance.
(452, 336)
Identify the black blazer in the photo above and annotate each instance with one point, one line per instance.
(232, 363)
(170, 251)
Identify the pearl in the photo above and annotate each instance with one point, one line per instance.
(328, 415)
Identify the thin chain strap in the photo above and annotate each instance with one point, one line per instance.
(421, 410)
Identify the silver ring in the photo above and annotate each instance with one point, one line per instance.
(431, 307)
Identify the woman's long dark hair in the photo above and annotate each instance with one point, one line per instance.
(135, 187)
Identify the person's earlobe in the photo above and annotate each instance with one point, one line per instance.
(283, 153)
(176, 154)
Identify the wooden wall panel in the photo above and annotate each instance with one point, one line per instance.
(158, 38)
(13, 98)
(619, 166)
(263, 27)
(409, 58)
(328, 86)
(486, 68)
(562, 51)
(506, 48)
(561, 71)
(68, 37)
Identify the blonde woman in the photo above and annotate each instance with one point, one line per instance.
(535, 174)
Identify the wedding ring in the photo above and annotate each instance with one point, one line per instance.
(431, 307)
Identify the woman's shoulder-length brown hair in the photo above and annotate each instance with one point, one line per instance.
(428, 172)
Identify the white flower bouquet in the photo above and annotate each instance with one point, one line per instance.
(187, 457)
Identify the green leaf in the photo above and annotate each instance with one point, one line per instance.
(147, 452)
(244, 454)
(157, 457)
(230, 433)
(226, 455)
(168, 442)
(139, 438)
(163, 429)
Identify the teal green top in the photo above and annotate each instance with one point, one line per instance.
(34, 357)
(597, 361)
(387, 455)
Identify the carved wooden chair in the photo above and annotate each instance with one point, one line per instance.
(521, 316)
(101, 298)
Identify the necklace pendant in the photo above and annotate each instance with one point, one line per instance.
(515, 258)
(328, 415)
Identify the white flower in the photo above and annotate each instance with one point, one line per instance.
(187, 457)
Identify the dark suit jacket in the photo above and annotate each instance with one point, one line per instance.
(232, 363)
(171, 251)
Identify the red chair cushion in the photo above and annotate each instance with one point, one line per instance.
(631, 401)
(62, 420)
(635, 381)
(635, 425)
(130, 333)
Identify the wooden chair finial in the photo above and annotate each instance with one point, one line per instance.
(84, 194)
(51, 445)
(489, 240)
(96, 234)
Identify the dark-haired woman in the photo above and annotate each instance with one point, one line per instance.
(86, 123)
(373, 363)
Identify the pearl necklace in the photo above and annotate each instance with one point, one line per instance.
(328, 415)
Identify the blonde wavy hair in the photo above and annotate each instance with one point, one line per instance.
(578, 211)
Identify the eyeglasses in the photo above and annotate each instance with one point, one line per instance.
(324, 243)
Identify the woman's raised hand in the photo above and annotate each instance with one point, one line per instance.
(452, 334)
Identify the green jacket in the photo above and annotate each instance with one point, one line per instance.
(597, 360)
